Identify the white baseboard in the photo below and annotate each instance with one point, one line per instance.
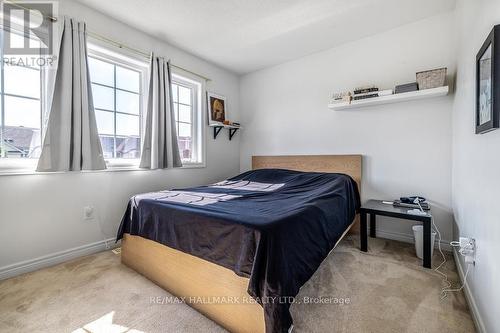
(408, 238)
(476, 316)
(55, 258)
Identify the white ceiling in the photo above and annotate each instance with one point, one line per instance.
(247, 35)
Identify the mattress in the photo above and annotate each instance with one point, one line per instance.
(273, 226)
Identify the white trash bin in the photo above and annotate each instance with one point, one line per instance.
(418, 235)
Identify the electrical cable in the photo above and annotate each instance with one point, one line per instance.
(461, 287)
(447, 283)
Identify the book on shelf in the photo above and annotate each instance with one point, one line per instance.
(379, 93)
(357, 97)
(359, 94)
(364, 90)
(364, 96)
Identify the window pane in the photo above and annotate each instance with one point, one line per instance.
(16, 40)
(184, 113)
(184, 95)
(128, 147)
(127, 125)
(127, 102)
(185, 148)
(184, 130)
(174, 92)
(176, 111)
(22, 112)
(103, 97)
(127, 79)
(105, 122)
(101, 72)
(22, 81)
(107, 143)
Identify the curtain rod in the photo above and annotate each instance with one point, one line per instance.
(142, 53)
(116, 43)
(13, 3)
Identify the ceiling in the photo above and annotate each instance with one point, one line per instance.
(247, 35)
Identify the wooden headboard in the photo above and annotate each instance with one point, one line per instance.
(347, 164)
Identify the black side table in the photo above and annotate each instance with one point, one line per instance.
(376, 207)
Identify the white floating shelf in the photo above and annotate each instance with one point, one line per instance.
(395, 98)
(218, 127)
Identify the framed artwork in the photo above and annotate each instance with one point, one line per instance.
(488, 83)
(217, 108)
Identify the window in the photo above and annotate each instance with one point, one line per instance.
(22, 100)
(186, 95)
(118, 85)
(117, 88)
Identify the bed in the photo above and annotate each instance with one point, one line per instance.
(239, 250)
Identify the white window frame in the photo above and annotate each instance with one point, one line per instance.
(128, 61)
(23, 165)
(197, 116)
(97, 49)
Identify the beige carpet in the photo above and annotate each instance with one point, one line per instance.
(386, 290)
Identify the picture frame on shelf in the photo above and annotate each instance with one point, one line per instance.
(217, 108)
(488, 83)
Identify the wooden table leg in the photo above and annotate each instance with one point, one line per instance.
(363, 233)
(427, 244)
(373, 226)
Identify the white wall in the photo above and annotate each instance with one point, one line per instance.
(406, 146)
(476, 165)
(42, 214)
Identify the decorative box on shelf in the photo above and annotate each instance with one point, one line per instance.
(433, 78)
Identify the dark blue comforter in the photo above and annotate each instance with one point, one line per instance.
(273, 226)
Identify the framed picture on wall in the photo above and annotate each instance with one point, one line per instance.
(488, 83)
(217, 108)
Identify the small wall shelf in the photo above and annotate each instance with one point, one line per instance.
(395, 98)
(231, 129)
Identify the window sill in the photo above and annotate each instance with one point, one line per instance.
(193, 165)
(33, 172)
(17, 166)
(9, 171)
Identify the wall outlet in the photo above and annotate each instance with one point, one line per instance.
(465, 241)
(88, 213)
(468, 249)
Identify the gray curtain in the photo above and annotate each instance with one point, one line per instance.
(159, 148)
(71, 140)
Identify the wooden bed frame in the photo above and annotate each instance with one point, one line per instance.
(188, 276)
